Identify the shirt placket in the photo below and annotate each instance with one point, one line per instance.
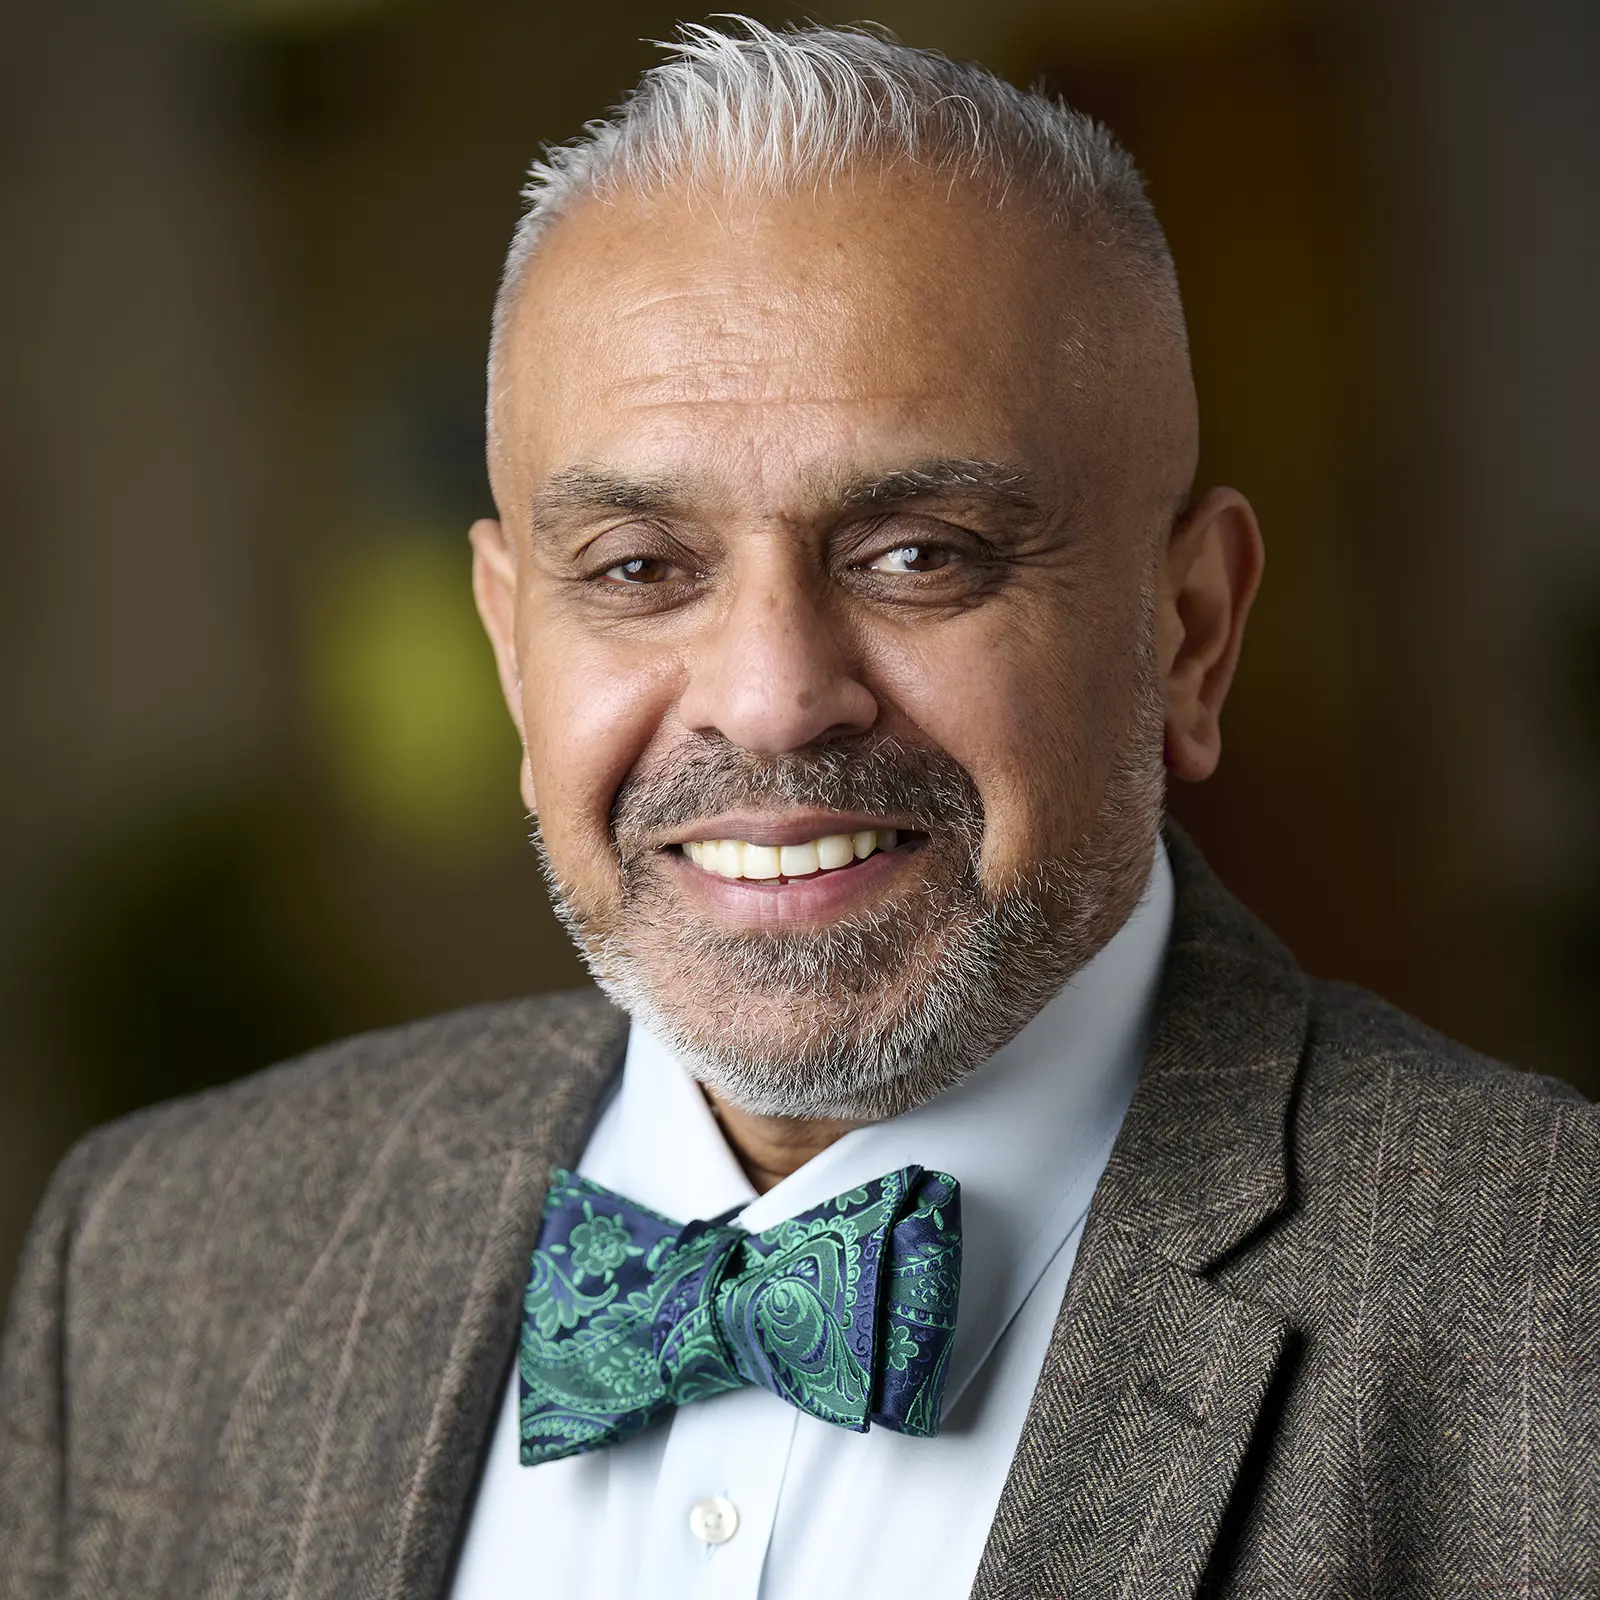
(716, 1498)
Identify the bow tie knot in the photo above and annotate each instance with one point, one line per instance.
(846, 1311)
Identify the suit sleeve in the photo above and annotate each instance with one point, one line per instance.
(33, 1446)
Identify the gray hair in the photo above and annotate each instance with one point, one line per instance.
(767, 112)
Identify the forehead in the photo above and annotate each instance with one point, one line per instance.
(895, 315)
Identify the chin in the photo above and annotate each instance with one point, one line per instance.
(862, 1023)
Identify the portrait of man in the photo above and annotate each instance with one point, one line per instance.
(948, 1188)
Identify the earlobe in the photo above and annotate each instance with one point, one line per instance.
(525, 782)
(1212, 568)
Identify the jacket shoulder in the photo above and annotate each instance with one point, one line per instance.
(473, 1070)
(175, 1247)
(1363, 1054)
(1444, 1162)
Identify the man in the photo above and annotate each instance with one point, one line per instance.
(978, 1199)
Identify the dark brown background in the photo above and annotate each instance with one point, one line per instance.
(260, 791)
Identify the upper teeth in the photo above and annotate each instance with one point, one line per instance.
(734, 858)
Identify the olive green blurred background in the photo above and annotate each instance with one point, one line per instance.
(259, 788)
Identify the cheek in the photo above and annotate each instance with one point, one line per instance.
(1024, 710)
(591, 711)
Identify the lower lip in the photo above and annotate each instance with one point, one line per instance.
(795, 903)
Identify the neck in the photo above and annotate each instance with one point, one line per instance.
(770, 1148)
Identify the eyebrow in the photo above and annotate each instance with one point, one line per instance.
(951, 476)
(582, 490)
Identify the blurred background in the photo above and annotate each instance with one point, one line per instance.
(261, 791)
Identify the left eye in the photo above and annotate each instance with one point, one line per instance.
(640, 570)
(911, 558)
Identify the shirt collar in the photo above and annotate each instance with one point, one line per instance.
(1027, 1135)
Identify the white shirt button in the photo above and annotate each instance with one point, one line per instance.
(714, 1520)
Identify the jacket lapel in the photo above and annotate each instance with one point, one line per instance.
(351, 1454)
(1156, 1371)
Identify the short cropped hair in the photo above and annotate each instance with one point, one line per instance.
(769, 112)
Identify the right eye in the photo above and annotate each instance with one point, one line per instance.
(912, 558)
(642, 570)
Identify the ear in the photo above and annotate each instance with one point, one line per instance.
(1209, 575)
(494, 588)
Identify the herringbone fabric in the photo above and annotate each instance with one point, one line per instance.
(1333, 1329)
(258, 1336)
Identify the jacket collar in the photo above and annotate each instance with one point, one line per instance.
(1157, 1371)
(1202, 1160)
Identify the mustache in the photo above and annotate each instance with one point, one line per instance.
(926, 788)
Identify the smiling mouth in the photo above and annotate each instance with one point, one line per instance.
(764, 863)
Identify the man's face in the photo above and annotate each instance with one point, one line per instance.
(833, 519)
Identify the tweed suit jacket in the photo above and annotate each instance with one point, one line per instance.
(1332, 1330)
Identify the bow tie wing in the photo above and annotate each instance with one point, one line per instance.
(847, 1311)
(588, 1372)
(917, 1319)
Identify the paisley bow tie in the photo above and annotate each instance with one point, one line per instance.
(846, 1311)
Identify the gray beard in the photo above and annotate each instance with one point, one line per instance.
(876, 1014)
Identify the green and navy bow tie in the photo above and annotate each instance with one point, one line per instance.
(846, 1311)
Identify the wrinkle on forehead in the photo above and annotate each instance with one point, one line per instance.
(586, 488)
(756, 385)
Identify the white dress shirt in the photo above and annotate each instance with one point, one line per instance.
(814, 1509)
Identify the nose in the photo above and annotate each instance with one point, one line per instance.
(771, 674)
